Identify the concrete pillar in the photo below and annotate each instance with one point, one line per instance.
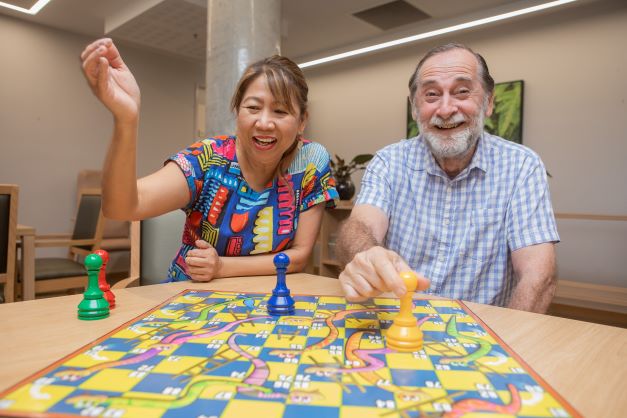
(239, 32)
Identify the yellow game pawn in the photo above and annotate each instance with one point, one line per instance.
(404, 334)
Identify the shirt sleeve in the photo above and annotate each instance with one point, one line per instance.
(531, 220)
(376, 189)
(189, 161)
(318, 186)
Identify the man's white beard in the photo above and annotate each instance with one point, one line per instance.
(457, 144)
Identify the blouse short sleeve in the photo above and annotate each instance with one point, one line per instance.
(317, 184)
(194, 161)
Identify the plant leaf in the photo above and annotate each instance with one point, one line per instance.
(362, 158)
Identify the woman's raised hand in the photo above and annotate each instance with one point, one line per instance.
(111, 80)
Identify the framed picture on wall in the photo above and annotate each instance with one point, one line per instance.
(506, 119)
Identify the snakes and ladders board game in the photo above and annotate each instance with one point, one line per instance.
(215, 354)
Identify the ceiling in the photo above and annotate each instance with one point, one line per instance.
(310, 29)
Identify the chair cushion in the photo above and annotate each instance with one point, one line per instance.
(54, 268)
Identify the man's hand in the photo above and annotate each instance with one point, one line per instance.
(374, 271)
(110, 79)
(203, 262)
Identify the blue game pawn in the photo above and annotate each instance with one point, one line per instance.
(281, 303)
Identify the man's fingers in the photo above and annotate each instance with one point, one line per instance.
(423, 283)
(385, 267)
(351, 294)
(362, 266)
(359, 283)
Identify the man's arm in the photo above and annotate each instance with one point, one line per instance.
(535, 268)
(364, 229)
(369, 268)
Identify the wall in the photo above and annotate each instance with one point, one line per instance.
(51, 126)
(574, 65)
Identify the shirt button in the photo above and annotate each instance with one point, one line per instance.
(446, 222)
(441, 259)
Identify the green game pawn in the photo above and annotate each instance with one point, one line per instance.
(94, 305)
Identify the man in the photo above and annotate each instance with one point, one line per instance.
(467, 209)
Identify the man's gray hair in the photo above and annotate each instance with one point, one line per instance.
(484, 74)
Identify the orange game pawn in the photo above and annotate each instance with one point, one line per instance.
(404, 334)
(102, 279)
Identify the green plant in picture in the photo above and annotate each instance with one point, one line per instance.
(506, 119)
(412, 126)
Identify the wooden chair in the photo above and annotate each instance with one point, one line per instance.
(154, 243)
(8, 226)
(115, 234)
(64, 273)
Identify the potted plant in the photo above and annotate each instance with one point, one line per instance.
(342, 172)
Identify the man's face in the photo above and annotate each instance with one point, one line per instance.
(451, 103)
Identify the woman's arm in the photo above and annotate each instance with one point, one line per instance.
(204, 264)
(124, 197)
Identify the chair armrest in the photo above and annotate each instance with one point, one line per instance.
(128, 282)
(56, 242)
(53, 236)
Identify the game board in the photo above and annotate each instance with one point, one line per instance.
(219, 354)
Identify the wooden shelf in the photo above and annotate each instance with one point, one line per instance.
(328, 266)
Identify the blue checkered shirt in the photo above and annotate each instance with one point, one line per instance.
(460, 233)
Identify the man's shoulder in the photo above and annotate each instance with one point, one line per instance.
(498, 145)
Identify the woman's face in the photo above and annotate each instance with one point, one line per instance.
(265, 127)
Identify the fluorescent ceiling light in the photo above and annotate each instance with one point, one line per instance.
(32, 11)
(433, 33)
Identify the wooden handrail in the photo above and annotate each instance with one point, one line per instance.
(590, 217)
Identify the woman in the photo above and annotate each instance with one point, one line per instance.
(244, 195)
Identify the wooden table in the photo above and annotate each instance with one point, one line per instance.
(586, 363)
(26, 243)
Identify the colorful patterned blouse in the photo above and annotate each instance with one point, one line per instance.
(236, 220)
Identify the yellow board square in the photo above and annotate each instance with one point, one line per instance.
(305, 305)
(408, 361)
(322, 358)
(85, 361)
(498, 364)
(335, 300)
(239, 408)
(364, 412)
(178, 364)
(387, 302)
(535, 404)
(362, 323)
(277, 369)
(433, 325)
(444, 303)
(21, 399)
(114, 380)
(285, 341)
(410, 400)
(461, 379)
(317, 394)
(368, 378)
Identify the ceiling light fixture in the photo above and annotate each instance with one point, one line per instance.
(35, 8)
(433, 33)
